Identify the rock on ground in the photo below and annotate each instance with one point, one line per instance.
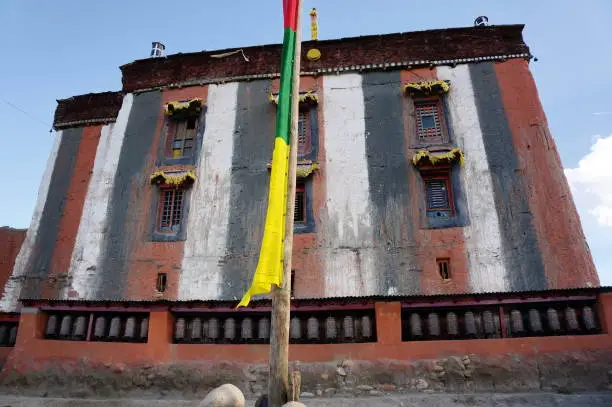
(226, 395)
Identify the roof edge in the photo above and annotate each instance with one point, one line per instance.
(542, 294)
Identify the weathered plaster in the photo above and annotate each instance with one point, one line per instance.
(482, 236)
(562, 243)
(345, 228)
(39, 264)
(388, 184)
(93, 227)
(253, 144)
(207, 224)
(126, 206)
(70, 220)
(12, 289)
(522, 256)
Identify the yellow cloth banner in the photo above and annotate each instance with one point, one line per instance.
(270, 267)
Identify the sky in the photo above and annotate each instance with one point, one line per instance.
(54, 50)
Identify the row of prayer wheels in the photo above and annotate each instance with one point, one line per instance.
(128, 327)
(197, 329)
(213, 329)
(345, 328)
(519, 322)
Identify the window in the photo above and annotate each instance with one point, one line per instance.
(292, 288)
(444, 268)
(304, 133)
(438, 193)
(429, 126)
(299, 211)
(170, 210)
(181, 137)
(162, 281)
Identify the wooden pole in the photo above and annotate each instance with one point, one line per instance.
(278, 385)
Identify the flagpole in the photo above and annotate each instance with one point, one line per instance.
(278, 385)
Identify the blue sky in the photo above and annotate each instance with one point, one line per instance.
(54, 50)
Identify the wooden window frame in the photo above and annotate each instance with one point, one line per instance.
(443, 136)
(163, 189)
(444, 265)
(174, 126)
(439, 175)
(161, 284)
(306, 147)
(300, 188)
(292, 287)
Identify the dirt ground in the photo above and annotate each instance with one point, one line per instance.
(420, 400)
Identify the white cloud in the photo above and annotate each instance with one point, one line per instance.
(591, 181)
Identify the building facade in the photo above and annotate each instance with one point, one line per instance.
(371, 220)
(426, 170)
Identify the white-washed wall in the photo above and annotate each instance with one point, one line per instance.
(12, 289)
(482, 235)
(94, 221)
(210, 199)
(345, 223)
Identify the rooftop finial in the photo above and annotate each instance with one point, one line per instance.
(481, 21)
(158, 50)
(314, 25)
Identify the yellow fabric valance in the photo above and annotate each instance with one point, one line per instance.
(304, 168)
(185, 108)
(426, 88)
(173, 178)
(425, 157)
(308, 97)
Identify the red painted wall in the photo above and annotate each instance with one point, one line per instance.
(307, 257)
(10, 243)
(567, 259)
(431, 243)
(31, 349)
(150, 258)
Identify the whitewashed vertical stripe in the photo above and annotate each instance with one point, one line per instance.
(482, 236)
(209, 206)
(93, 226)
(345, 225)
(12, 289)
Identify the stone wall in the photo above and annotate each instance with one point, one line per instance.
(562, 372)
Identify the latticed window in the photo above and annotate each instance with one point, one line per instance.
(170, 209)
(299, 213)
(429, 122)
(182, 134)
(304, 133)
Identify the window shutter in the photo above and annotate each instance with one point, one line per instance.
(437, 195)
(303, 133)
(299, 208)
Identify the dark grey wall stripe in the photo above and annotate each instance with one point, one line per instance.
(522, 255)
(42, 253)
(253, 145)
(388, 181)
(126, 206)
